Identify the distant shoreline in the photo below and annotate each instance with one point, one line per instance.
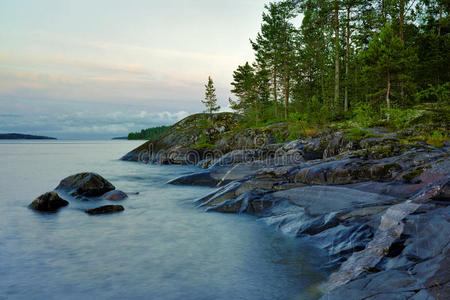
(20, 136)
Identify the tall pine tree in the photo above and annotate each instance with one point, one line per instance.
(210, 97)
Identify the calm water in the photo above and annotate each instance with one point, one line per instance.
(160, 247)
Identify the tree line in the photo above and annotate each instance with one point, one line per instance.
(147, 134)
(344, 55)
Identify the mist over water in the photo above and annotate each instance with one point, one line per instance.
(160, 247)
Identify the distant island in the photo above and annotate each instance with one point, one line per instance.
(19, 136)
(120, 138)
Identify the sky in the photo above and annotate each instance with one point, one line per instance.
(96, 69)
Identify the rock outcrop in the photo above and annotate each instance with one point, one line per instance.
(48, 202)
(374, 201)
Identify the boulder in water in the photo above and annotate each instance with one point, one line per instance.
(115, 195)
(85, 184)
(49, 202)
(105, 209)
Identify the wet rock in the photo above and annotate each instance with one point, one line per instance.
(219, 176)
(337, 144)
(85, 184)
(279, 172)
(258, 205)
(256, 184)
(363, 212)
(392, 284)
(237, 156)
(105, 209)
(287, 186)
(48, 202)
(444, 193)
(318, 224)
(318, 200)
(115, 195)
(314, 149)
(222, 194)
(342, 240)
(390, 230)
(347, 171)
(239, 204)
(201, 178)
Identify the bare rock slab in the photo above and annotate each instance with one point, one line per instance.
(319, 200)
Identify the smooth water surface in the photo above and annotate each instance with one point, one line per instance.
(160, 247)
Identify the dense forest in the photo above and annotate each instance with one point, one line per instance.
(147, 134)
(372, 61)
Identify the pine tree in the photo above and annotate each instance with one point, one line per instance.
(386, 56)
(210, 97)
(244, 87)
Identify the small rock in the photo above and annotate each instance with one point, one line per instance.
(49, 202)
(115, 195)
(85, 184)
(105, 209)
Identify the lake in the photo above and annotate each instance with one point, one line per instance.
(160, 247)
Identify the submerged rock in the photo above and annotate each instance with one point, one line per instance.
(105, 209)
(49, 202)
(85, 184)
(115, 195)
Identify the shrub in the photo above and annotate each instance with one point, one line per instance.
(357, 134)
(437, 139)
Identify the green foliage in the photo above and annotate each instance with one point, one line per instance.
(402, 118)
(380, 65)
(357, 134)
(210, 97)
(437, 139)
(441, 93)
(148, 134)
(364, 114)
(296, 130)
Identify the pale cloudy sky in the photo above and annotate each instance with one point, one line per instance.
(102, 68)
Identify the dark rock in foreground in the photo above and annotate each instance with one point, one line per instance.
(85, 184)
(105, 209)
(115, 195)
(49, 202)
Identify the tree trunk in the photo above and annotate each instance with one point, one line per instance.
(401, 19)
(402, 38)
(275, 93)
(256, 112)
(287, 96)
(388, 94)
(285, 77)
(347, 54)
(440, 20)
(336, 46)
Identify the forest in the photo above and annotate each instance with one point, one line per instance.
(371, 62)
(147, 134)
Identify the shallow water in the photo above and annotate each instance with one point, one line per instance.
(160, 247)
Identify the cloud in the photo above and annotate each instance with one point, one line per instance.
(89, 125)
(108, 70)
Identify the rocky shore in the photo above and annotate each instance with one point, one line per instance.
(377, 203)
